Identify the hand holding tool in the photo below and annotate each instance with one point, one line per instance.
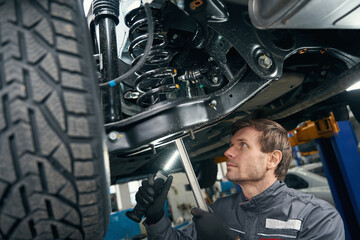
(209, 226)
(151, 198)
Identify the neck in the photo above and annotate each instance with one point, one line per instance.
(254, 188)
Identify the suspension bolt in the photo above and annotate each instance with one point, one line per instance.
(131, 95)
(215, 79)
(182, 78)
(213, 104)
(113, 136)
(265, 62)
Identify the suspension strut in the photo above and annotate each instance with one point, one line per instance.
(106, 14)
(155, 79)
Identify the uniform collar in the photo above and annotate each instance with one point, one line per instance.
(263, 200)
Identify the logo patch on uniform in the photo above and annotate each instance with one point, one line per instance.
(294, 224)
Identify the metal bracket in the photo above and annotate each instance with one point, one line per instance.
(261, 53)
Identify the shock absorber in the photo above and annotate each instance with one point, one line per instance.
(106, 14)
(155, 79)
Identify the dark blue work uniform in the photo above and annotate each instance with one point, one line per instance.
(277, 213)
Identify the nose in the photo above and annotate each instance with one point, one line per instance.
(228, 153)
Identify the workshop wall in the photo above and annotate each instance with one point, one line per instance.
(180, 200)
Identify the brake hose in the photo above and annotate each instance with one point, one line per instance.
(142, 60)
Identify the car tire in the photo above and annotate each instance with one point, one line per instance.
(52, 183)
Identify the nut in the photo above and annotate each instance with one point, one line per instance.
(113, 136)
(265, 62)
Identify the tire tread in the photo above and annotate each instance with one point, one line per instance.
(50, 182)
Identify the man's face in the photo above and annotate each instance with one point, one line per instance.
(246, 162)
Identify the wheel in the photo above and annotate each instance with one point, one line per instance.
(52, 181)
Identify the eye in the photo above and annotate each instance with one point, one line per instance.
(243, 144)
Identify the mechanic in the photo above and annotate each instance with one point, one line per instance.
(258, 159)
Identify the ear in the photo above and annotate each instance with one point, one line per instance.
(275, 158)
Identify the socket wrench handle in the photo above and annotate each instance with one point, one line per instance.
(190, 174)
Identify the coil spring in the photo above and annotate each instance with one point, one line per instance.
(155, 77)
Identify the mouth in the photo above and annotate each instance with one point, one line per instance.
(230, 165)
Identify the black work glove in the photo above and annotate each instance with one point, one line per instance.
(151, 196)
(209, 226)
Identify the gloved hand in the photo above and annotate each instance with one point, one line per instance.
(209, 226)
(151, 196)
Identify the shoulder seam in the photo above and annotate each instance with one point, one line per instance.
(291, 193)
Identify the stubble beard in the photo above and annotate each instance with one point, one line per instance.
(237, 178)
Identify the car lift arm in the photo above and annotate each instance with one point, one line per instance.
(337, 147)
(311, 130)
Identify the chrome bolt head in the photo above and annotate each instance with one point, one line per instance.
(113, 136)
(265, 62)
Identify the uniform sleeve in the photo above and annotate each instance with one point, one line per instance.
(163, 230)
(323, 223)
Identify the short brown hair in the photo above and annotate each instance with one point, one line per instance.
(273, 137)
